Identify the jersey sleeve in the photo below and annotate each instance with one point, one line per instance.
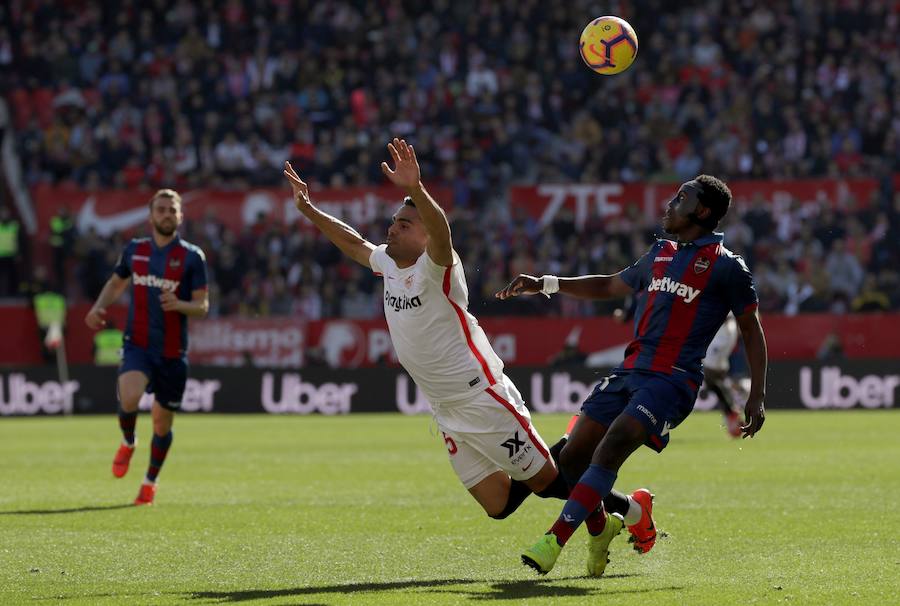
(742, 297)
(123, 265)
(199, 279)
(376, 259)
(636, 276)
(433, 270)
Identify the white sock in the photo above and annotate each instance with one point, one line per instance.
(634, 512)
(132, 445)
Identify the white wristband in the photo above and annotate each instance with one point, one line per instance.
(550, 285)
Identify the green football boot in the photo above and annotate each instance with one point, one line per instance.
(598, 546)
(542, 555)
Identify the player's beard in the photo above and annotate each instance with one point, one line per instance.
(165, 228)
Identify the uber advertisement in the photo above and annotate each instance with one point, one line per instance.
(91, 390)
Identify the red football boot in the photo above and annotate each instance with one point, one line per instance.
(122, 460)
(145, 496)
(644, 532)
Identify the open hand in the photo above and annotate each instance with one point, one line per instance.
(405, 173)
(522, 285)
(298, 185)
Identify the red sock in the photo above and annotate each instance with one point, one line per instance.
(596, 522)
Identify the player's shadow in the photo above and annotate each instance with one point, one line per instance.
(40, 512)
(499, 590)
(261, 594)
(546, 588)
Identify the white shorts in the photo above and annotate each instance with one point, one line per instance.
(489, 433)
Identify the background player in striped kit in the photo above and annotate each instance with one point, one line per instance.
(168, 284)
(716, 368)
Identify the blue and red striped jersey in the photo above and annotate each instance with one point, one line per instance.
(687, 290)
(179, 267)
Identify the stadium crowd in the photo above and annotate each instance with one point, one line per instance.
(218, 93)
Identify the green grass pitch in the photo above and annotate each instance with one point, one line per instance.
(365, 509)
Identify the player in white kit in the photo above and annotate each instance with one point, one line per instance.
(716, 366)
(493, 446)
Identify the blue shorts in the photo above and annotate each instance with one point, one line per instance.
(660, 403)
(167, 376)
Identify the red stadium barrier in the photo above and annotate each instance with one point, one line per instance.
(523, 341)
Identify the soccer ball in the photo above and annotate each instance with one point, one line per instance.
(608, 45)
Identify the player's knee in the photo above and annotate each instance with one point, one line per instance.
(498, 509)
(129, 401)
(129, 394)
(500, 515)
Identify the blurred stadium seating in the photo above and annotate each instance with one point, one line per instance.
(494, 96)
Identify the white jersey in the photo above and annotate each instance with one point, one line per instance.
(438, 342)
(722, 345)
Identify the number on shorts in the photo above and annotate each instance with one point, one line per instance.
(605, 382)
(451, 445)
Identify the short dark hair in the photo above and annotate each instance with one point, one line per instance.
(407, 201)
(715, 196)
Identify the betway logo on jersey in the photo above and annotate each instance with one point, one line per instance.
(687, 293)
(402, 302)
(155, 282)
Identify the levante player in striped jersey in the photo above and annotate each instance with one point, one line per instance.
(168, 284)
(686, 287)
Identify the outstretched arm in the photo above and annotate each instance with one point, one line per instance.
(341, 235)
(758, 359)
(406, 174)
(582, 287)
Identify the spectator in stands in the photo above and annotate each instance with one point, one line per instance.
(871, 298)
(844, 270)
(62, 242)
(10, 248)
(831, 350)
(356, 304)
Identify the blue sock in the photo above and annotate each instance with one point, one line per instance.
(159, 447)
(587, 495)
(127, 421)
